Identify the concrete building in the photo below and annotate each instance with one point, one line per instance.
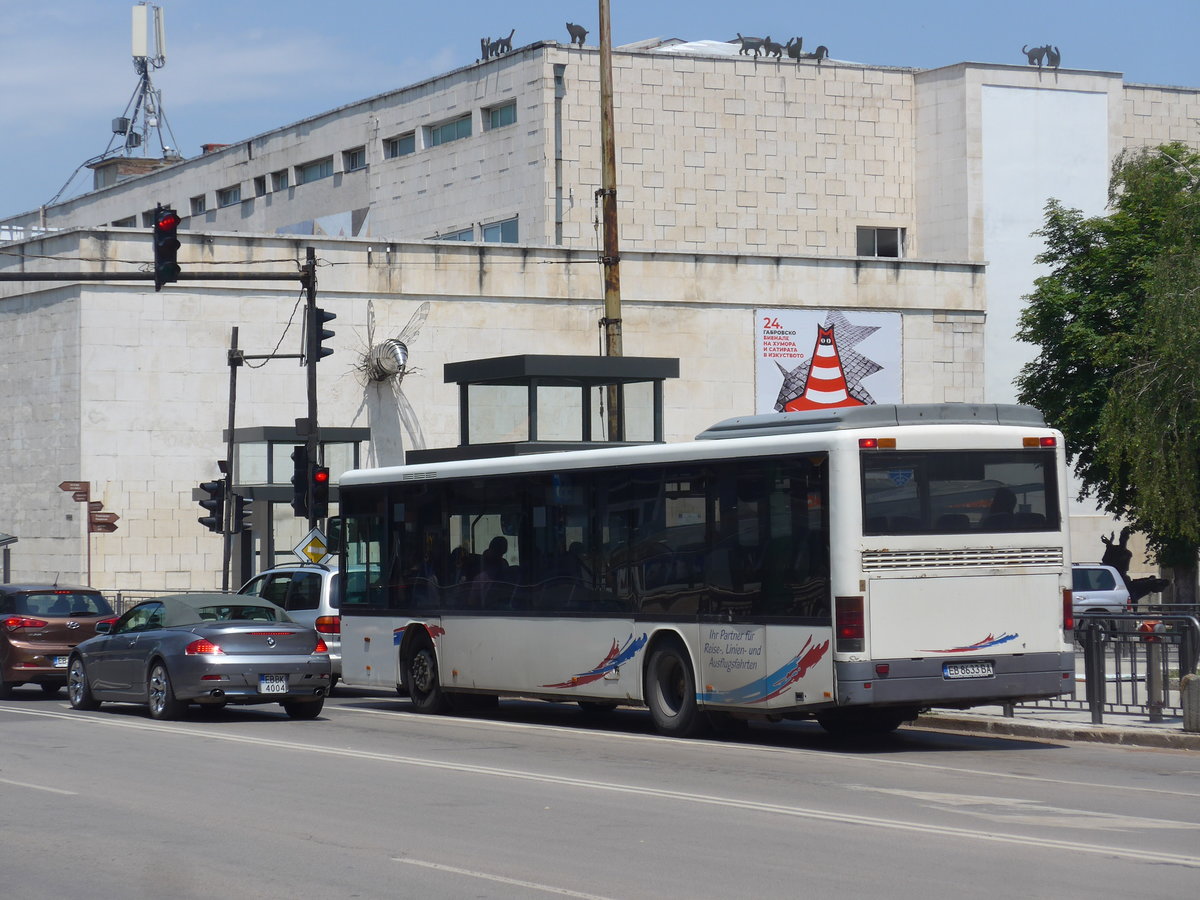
(744, 184)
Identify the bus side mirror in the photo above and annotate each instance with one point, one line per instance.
(334, 528)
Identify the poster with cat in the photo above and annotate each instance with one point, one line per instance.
(825, 358)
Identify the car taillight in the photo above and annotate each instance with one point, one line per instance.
(1068, 611)
(849, 625)
(329, 624)
(12, 623)
(320, 648)
(110, 622)
(203, 647)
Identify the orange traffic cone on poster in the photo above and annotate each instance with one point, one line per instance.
(825, 386)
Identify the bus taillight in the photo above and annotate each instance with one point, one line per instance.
(1068, 611)
(848, 625)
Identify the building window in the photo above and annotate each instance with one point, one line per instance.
(229, 196)
(314, 171)
(148, 218)
(354, 159)
(465, 234)
(501, 232)
(499, 116)
(881, 242)
(260, 185)
(279, 180)
(199, 205)
(127, 222)
(400, 146)
(450, 131)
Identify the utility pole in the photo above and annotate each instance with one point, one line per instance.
(611, 259)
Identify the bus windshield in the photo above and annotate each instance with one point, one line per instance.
(954, 491)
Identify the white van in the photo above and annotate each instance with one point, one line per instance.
(312, 594)
(1098, 589)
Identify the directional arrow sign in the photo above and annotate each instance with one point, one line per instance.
(95, 506)
(73, 486)
(102, 518)
(79, 496)
(102, 527)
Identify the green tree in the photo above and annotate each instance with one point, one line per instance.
(1119, 366)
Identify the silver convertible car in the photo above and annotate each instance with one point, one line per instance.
(210, 649)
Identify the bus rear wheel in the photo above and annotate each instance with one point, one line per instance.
(671, 692)
(421, 677)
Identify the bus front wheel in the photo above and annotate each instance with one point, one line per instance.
(421, 677)
(671, 692)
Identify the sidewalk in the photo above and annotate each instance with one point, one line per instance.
(1064, 725)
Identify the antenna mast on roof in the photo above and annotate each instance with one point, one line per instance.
(144, 117)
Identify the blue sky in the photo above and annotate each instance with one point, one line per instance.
(236, 68)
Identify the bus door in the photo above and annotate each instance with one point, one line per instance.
(765, 634)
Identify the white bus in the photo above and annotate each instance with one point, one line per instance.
(856, 566)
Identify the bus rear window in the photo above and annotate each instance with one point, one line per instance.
(955, 491)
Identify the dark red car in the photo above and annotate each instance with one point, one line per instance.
(39, 626)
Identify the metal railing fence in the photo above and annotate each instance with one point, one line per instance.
(1132, 664)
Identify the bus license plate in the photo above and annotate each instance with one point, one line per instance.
(272, 684)
(967, 670)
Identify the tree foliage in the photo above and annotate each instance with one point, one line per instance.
(1119, 332)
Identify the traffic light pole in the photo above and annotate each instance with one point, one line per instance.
(230, 503)
(312, 350)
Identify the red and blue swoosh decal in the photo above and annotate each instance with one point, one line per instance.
(763, 689)
(616, 656)
(990, 641)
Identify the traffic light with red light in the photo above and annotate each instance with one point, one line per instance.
(319, 505)
(166, 246)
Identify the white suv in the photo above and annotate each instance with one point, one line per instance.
(311, 593)
(1098, 590)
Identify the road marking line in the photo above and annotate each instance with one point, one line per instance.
(872, 761)
(37, 787)
(533, 885)
(798, 812)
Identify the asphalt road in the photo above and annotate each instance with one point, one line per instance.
(536, 800)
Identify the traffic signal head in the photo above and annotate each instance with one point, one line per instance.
(242, 514)
(166, 246)
(319, 508)
(214, 504)
(318, 334)
(300, 472)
